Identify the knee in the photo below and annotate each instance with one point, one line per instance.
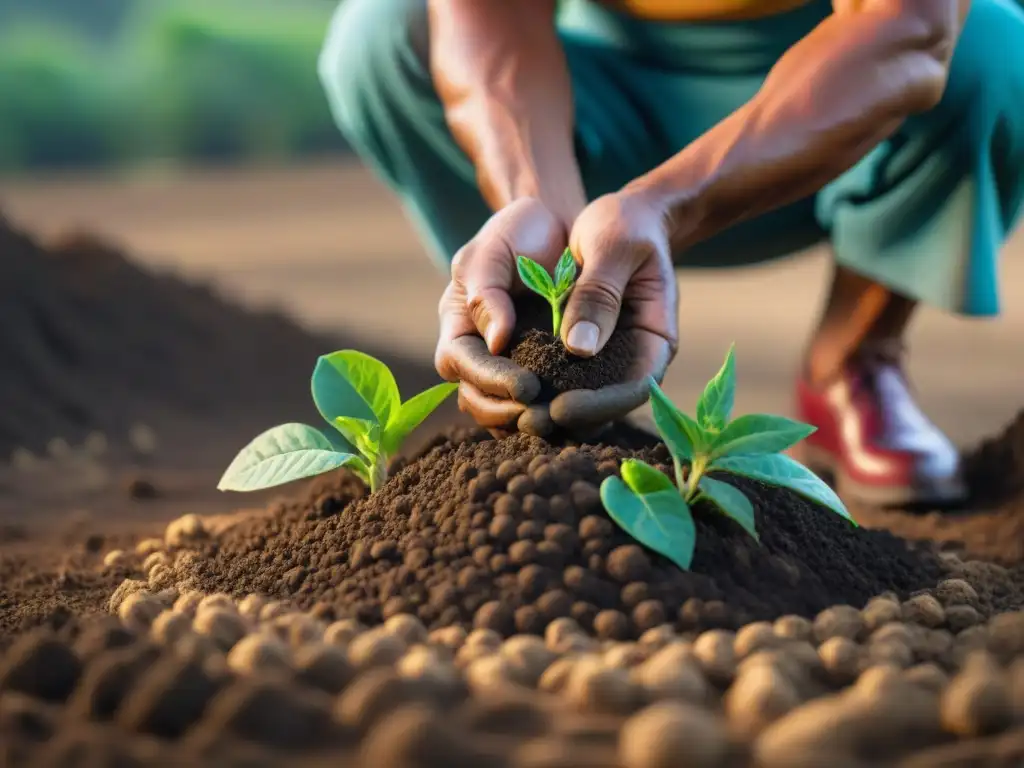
(373, 49)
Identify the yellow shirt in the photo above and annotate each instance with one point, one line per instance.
(703, 10)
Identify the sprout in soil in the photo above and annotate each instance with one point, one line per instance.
(646, 504)
(358, 396)
(556, 291)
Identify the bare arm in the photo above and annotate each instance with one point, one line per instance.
(500, 71)
(834, 96)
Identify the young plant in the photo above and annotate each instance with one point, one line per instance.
(358, 396)
(657, 513)
(556, 291)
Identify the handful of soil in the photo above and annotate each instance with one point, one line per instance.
(536, 349)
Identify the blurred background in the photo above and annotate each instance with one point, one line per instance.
(130, 82)
(194, 135)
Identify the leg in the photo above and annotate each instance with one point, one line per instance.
(920, 220)
(374, 69)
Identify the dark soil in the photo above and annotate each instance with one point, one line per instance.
(511, 535)
(535, 348)
(92, 342)
(991, 524)
(994, 470)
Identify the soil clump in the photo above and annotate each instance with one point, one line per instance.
(535, 348)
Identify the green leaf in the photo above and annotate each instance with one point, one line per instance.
(714, 409)
(535, 277)
(351, 383)
(683, 436)
(361, 433)
(412, 413)
(759, 433)
(733, 503)
(280, 455)
(661, 521)
(780, 470)
(565, 273)
(643, 478)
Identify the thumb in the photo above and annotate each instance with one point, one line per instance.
(593, 308)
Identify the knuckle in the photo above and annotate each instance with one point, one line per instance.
(600, 294)
(461, 261)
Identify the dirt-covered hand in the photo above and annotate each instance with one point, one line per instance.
(478, 318)
(621, 243)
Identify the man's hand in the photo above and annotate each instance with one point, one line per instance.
(477, 315)
(622, 245)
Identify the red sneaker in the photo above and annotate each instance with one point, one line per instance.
(874, 440)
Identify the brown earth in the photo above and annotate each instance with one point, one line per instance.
(535, 348)
(519, 628)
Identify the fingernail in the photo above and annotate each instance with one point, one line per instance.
(491, 337)
(583, 338)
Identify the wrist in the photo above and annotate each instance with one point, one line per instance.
(681, 207)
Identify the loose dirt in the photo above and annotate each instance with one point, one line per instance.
(510, 535)
(93, 343)
(481, 609)
(535, 348)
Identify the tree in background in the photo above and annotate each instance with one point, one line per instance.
(164, 79)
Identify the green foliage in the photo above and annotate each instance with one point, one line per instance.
(283, 454)
(175, 79)
(358, 396)
(554, 291)
(749, 446)
(651, 511)
(54, 108)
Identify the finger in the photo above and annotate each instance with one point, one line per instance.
(536, 421)
(487, 266)
(593, 308)
(587, 408)
(488, 412)
(579, 409)
(467, 360)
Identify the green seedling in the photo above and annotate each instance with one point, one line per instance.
(556, 291)
(657, 512)
(358, 396)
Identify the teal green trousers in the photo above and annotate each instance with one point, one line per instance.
(925, 213)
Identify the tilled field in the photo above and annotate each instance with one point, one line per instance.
(481, 610)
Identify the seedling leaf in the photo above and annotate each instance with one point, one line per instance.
(759, 433)
(565, 273)
(280, 455)
(535, 277)
(363, 434)
(661, 521)
(732, 502)
(643, 479)
(683, 436)
(714, 409)
(353, 384)
(412, 413)
(778, 469)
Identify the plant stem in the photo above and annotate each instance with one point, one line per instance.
(378, 474)
(556, 318)
(697, 468)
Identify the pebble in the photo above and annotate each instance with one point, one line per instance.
(672, 735)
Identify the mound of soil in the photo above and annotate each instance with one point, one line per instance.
(994, 469)
(510, 535)
(535, 348)
(991, 524)
(92, 342)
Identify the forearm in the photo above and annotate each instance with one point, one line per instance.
(831, 99)
(500, 71)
